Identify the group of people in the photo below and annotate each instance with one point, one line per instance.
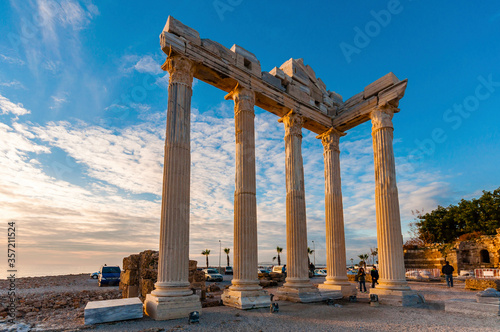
(361, 277)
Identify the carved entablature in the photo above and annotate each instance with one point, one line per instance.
(181, 70)
(293, 122)
(382, 117)
(330, 139)
(292, 86)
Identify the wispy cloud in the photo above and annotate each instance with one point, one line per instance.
(13, 84)
(9, 107)
(11, 60)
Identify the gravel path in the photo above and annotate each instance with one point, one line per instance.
(358, 316)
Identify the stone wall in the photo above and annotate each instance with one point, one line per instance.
(140, 272)
(483, 252)
(482, 284)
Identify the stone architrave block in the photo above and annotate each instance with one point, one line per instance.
(113, 310)
(316, 93)
(168, 40)
(323, 108)
(354, 100)
(278, 73)
(219, 50)
(321, 85)
(295, 71)
(178, 28)
(296, 91)
(337, 99)
(310, 72)
(274, 81)
(327, 101)
(246, 60)
(380, 84)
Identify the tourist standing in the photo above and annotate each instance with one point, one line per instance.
(448, 273)
(361, 280)
(283, 270)
(375, 276)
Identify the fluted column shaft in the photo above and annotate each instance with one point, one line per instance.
(245, 203)
(173, 262)
(389, 237)
(296, 226)
(334, 215)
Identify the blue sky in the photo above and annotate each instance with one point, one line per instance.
(83, 110)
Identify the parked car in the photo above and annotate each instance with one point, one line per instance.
(320, 273)
(262, 270)
(109, 275)
(229, 270)
(277, 269)
(212, 275)
(95, 275)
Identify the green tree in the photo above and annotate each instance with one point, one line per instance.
(205, 253)
(279, 251)
(446, 224)
(227, 250)
(363, 258)
(373, 253)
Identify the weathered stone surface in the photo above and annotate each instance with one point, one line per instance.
(295, 71)
(353, 100)
(113, 310)
(169, 40)
(379, 85)
(219, 50)
(273, 80)
(246, 60)
(178, 28)
(131, 262)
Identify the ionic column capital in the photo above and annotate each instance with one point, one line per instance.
(181, 70)
(382, 117)
(244, 99)
(330, 139)
(293, 122)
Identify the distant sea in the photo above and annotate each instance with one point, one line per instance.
(48, 270)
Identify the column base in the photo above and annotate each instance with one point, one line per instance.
(171, 307)
(246, 299)
(398, 298)
(346, 289)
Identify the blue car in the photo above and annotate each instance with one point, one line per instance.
(109, 275)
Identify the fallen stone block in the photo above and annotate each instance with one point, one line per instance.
(113, 310)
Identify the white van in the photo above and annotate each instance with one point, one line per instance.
(278, 269)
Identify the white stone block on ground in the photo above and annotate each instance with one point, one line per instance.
(113, 310)
(471, 307)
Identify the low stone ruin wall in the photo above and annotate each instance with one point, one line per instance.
(271, 279)
(140, 272)
(482, 284)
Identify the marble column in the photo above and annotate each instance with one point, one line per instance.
(172, 297)
(297, 287)
(392, 282)
(245, 291)
(334, 217)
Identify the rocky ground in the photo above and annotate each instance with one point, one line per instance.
(57, 304)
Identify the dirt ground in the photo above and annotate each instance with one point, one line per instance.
(57, 304)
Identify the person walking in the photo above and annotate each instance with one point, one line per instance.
(448, 273)
(361, 280)
(283, 270)
(375, 276)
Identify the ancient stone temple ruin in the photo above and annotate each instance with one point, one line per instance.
(301, 101)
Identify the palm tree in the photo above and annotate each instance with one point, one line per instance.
(205, 253)
(374, 253)
(279, 251)
(226, 250)
(363, 258)
(309, 252)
